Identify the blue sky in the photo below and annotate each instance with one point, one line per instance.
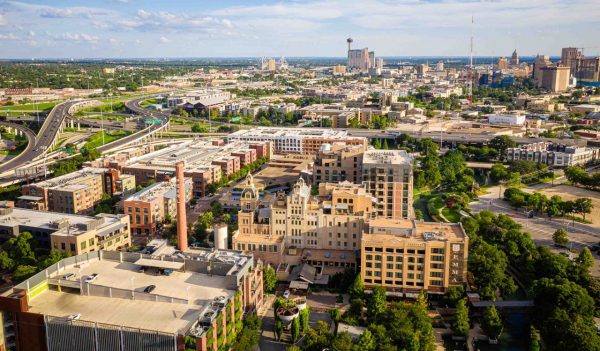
(201, 28)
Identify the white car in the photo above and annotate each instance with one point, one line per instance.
(286, 294)
(91, 278)
(74, 317)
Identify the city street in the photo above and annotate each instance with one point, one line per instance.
(542, 228)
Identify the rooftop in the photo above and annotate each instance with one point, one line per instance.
(302, 133)
(71, 178)
(59, 223)
(387, 231)
(393, 157)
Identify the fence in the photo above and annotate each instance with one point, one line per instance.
(66, 335)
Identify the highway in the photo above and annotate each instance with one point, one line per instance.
(20, 158)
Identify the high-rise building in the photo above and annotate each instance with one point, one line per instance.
(582, 68)
(540, 62)
(570, 57)
(379, 63)
(502, 63)
(514, 59)
(338, 162)
(388, 177)
(359, 60)
(422, 69)
(555, 78)
(439, 66)
(407, 256)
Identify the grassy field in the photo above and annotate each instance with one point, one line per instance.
(96, 140)
(149, 102)
(451, 215)
(30, 107)
(106, 117)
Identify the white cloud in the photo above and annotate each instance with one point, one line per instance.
(2, 20)
(46, 11)
(9, 36)
(31, 33)
(74, 37)
(164, 40)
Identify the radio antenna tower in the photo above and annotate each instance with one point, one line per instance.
(470, 83)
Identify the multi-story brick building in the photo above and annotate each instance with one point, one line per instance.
(206, 162)
(77, 192)
(150, 206)
(407, 256)
(388, 176)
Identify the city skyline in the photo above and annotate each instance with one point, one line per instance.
(130, 28)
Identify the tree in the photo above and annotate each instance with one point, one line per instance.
(418, 214)
(585, 260)
(293, 348)
(270, 279)
(277, 329)
(560, 237)
(356, 290)
(335, 315)
(502, 143)
(534, 344)
(342, 342)
(460, 326)
(582, 206)
(23, 272)
(377, 302)
(575, 174)
(366, 342)
(498, 173)
(304, 317)
(453, 295)
(491, 322)
(295, 330)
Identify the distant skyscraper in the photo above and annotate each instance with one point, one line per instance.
(502, 63)
(379, 63)
(439, 66)
(359, 60)
(540, 62)
(555, 78)
(514, 60)
(570, 57)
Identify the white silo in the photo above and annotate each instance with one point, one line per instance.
(220, 235)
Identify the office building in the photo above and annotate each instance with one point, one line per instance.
(136, 301)
(541, 61)
(70, 233)
(388, 177)
(77, 192)
(338, 162)
(554, 155)
(321, 230)
(555, 78)
(149, 207)
(407, 256)
(339, 70)
(295, 140)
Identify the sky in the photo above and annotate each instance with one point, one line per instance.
(252, 28)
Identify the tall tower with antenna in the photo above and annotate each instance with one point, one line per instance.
(470, 83)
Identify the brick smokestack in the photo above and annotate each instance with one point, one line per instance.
(182, 241)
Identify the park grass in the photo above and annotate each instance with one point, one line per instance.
(149, 102)
(96, 140)
(451, 215)
(30, 107)
(106, 117)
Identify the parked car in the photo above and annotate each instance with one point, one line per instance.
(91, 278)
(286, 294)
(68, 276)
(149, 288)
(74, 317)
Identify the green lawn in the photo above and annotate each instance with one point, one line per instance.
(149, 102)
(96, 140)
(30, 107)
(451, 215)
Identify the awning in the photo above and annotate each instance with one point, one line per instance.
(30, 198)
(146, 262)
(298, 285)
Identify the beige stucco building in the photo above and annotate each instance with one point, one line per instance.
(406, 256)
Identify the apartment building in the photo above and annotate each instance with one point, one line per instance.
(323, 230)
(555, 78)
(407, 256)
(388, 176)
(200, 305)
(554, 155)
(296, 140)
(149, 207)
(338, 162)
(77, 192)
(206, 162)
(75, 234)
